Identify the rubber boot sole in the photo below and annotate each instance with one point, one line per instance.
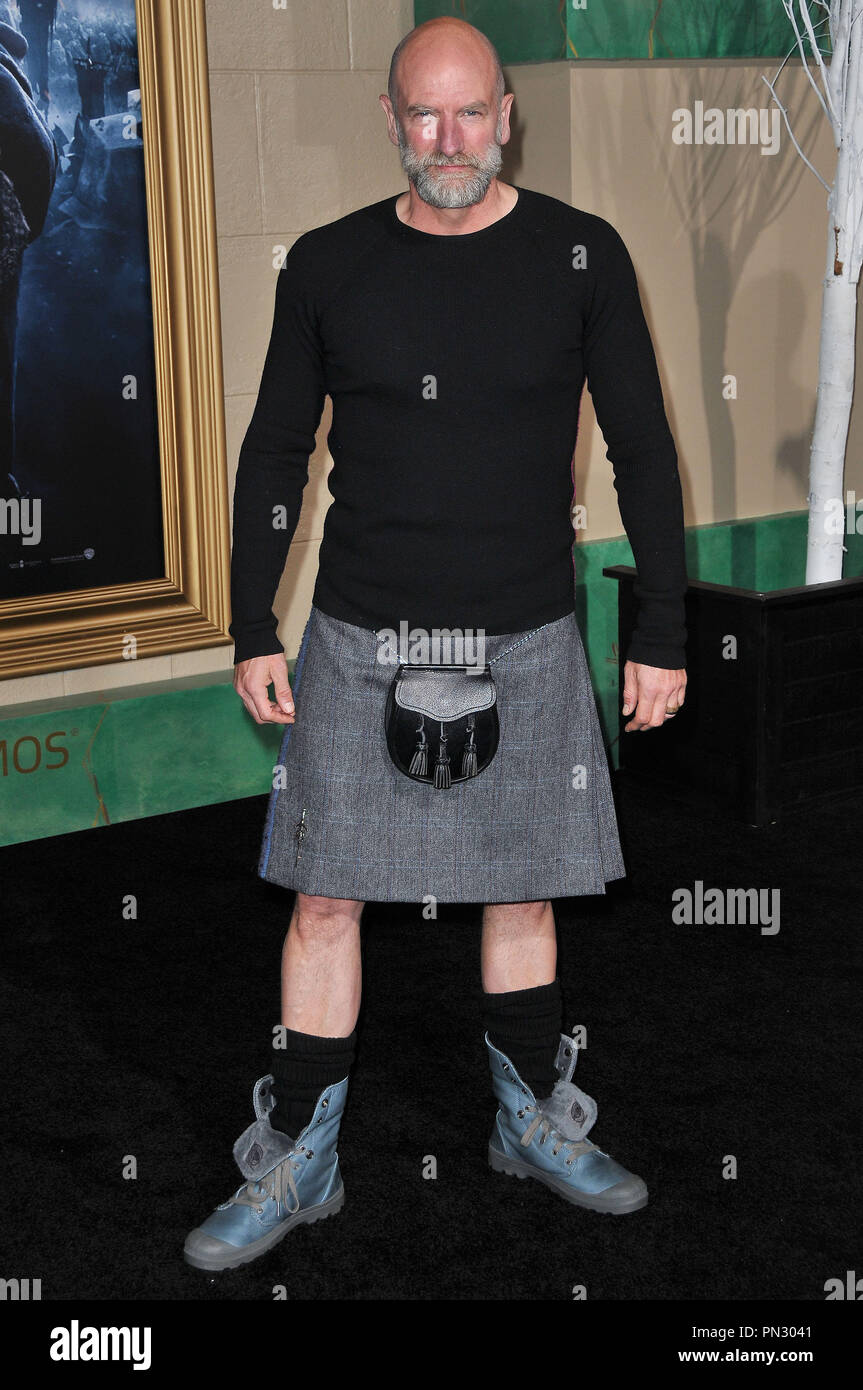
(246, 1253)
(593, 1201)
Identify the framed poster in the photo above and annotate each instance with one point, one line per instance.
(114, 517)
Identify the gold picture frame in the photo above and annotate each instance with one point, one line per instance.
(189, 606)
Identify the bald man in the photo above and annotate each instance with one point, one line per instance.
(454, 327)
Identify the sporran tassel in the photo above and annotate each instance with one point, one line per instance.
(419, 761)
(442, 776)
(468, 757)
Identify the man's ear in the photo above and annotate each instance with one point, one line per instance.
(391, 124)
(505, 109)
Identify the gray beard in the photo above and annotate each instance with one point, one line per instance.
(459, 190)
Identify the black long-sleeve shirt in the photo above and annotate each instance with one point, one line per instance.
(456, 366)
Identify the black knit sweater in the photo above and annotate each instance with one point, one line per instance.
(456, 365)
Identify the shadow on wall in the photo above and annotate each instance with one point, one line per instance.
(720, 201)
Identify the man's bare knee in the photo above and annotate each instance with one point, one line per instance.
(325, 918)
(515, 915)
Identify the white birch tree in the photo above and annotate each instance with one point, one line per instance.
(839, 89)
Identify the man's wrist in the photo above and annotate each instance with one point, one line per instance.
(665, 656)
(247, 648)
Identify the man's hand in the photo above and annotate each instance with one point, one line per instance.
(251, 679)
(654, 693)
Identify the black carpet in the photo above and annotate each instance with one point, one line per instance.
(142, 1038)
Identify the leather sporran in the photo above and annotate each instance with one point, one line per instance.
(441, 722)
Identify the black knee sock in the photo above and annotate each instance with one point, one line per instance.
(525, 1025)
(301, 1069)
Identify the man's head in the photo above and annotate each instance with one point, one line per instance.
(447, 112)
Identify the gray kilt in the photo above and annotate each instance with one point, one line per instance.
(537, 823)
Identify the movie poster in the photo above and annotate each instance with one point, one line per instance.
(80, 491)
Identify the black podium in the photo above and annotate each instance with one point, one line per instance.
(772, 720)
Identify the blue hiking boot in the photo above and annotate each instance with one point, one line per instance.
(291, 1182)
(546, 1140)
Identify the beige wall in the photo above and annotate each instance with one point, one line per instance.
(729, 246)
(728, 243)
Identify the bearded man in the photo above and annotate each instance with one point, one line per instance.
(454, 327)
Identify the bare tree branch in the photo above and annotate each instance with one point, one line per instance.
(806, 161)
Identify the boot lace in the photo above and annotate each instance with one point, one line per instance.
(574, 1147)
(275, 1186)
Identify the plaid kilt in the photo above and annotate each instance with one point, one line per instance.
(537, 823)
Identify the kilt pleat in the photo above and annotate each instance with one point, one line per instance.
(538, 822)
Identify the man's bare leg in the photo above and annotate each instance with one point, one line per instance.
(519, 946)
(321, 985)
(322, 967)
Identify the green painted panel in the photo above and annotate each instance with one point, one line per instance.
(522, 31)
(531, 31)
(74, 768)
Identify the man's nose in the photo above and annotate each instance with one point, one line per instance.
(449, 137)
